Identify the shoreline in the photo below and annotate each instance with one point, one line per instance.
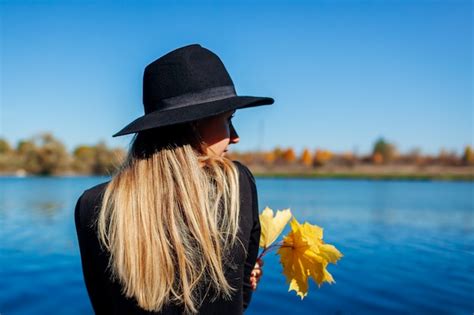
(357, 172)
(366, 176)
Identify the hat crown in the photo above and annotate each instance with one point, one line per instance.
(182, 72)
(187, 84)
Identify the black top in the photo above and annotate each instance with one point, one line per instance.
(105, 294)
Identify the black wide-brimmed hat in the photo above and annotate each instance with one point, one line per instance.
(186, 84)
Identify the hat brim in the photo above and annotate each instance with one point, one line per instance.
(192, 112)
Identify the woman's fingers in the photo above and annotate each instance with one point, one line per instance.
(253, 283)
(256, 274)
(259, 263)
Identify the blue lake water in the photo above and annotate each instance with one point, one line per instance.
(408, 246)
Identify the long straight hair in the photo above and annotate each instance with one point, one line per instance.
(169, 223)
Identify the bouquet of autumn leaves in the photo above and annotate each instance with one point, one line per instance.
(303, 253)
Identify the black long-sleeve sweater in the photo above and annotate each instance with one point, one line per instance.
(105, 294)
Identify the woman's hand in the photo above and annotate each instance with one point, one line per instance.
(256, 273)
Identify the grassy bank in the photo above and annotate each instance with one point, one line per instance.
(372, 172)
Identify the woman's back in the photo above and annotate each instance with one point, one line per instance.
(106, 294)
(178, 217)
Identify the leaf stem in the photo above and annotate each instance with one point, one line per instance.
(267, 249)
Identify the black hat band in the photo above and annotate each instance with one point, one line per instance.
(203, 96)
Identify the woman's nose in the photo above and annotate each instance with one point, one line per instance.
(234, 137)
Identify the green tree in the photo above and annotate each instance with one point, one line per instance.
(6, 156)
(25, 146)
(4, 146)
(26, 151)
(51, 154)
(83, 159)
(384, 149)
(43, 155)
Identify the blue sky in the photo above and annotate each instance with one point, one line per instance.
(342, 73)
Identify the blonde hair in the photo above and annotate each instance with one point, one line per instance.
(169, 224)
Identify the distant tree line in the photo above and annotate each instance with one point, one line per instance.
(383, 153)
(43, 154)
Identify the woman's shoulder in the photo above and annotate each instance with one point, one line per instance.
(94, 194)
(96, 191)
(244, 170)
(89, 203)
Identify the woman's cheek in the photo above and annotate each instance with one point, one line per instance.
(227, 129)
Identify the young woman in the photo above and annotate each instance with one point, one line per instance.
(176, 230)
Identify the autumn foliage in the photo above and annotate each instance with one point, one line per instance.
(43, 154)
(306, 158)
(303, 253)
(321, 157)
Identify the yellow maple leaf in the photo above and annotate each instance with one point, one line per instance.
(272, 226)
(303, 254)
